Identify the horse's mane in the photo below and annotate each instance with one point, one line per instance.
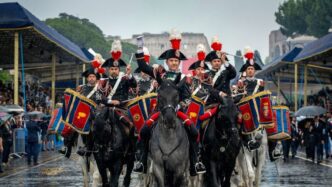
(166, 84)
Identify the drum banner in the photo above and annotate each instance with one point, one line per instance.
(137, 114)
(78, 111)
(141, 108)
(281, 129)
(56, 120)
(194, 110)
(265, 111)
(249, 116)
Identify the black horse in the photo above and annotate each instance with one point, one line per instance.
(169, 145)
(114, 147)
(221, 143)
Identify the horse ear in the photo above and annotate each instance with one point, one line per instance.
(159, 79)
(177, 79)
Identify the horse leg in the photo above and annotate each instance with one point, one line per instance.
(213, 182)
(260, 164)
(227, 176)
(115, 172)
(102, 170)
(245, 160)
(261, 156)
(158, 176)
(181, 180)
(236, 179)
(96, 178)
(130, 166)
(84, 166)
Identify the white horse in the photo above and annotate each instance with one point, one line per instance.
(87, 162)
(250, 163)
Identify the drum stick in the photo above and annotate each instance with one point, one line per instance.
(125, 101)
(234, 95)
(233, 55)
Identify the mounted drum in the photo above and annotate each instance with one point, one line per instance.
(256, 112)
(140, 109)
(282, 125)
(196, 109)
(77, 111)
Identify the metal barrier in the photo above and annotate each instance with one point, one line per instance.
(58, 141)
(19, 135)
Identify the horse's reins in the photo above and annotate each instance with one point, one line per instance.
(166, 156)
(168, 106)
(163, 154)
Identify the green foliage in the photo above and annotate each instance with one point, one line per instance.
(310, 17)
(4, 76)
(87, 35)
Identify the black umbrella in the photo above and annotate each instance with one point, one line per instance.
(310, 111)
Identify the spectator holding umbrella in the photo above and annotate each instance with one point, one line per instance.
(317, 144)
(44, 126)
(326, 137)
(306, 138)
(4, 121)
(295, 137)
(329, 127)
(33, 138)
(1, 151)
(7, 138)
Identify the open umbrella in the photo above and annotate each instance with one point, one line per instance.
(3, 109)
(13, 109)
(310, 111)
(4, 117)
(33, 113)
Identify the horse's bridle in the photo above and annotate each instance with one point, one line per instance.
(168, 106)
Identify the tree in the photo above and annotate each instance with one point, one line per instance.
(4, 76)
(298, 17)
(86, 34)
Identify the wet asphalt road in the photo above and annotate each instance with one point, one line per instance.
(60, 171)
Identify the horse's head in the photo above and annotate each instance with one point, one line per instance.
(227, 113)
(101, 128)
(168, 99)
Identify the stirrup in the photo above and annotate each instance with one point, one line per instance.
(200, 165)
(252, 142)
(276, 155)
(138, 165)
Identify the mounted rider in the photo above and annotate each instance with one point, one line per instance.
(146, 84)
(89, 90)
(173, 57)
(221, 73)
(199, 82)
(250, 86)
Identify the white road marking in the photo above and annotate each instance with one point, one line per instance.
(323, 164)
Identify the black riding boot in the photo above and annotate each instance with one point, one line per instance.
(196, 167)
(88, 148)
(69, 143)
(142, 150)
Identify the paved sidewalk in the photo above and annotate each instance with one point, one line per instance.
(17, 164)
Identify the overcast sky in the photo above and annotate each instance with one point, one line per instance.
(237, 22)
